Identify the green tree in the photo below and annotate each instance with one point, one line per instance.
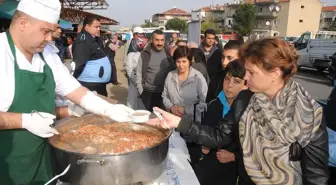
(244, 19)
(209, 25)
(332, 27)
(148, 25)
(176, 24)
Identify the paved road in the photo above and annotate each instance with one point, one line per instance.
(314, 82)
(119, 92)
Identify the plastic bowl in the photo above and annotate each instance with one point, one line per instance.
(140, 116)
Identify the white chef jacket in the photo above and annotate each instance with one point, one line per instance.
(65, 82)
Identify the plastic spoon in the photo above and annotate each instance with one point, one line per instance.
(160, 118)
(57, 176)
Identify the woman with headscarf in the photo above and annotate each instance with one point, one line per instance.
(136, 46)
(276, 124)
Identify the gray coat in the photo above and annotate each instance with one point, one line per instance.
(131, 64)
(142, 69)
(193, 90)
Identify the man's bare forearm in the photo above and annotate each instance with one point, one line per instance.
(9, 120)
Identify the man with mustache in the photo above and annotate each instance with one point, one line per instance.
(31, 73)
(153, 66)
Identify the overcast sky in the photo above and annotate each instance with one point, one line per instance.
(129, 12)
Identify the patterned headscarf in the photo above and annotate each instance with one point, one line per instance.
(268, 128)
(137, 44)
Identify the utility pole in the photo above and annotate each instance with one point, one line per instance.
(62, 4)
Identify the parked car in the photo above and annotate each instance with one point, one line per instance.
(291, 39)
(315, 53)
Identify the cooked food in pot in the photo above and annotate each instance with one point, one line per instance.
(112, 138)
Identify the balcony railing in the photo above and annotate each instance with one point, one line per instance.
(267, 14)
(219, 19)
(270, 27)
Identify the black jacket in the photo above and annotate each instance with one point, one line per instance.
(209, 170)
(59, 43)
(330, 116)
(330, 110)
(214, 63)
(86, 48)
(314, 157)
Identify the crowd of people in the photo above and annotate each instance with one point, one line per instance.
(243, 117)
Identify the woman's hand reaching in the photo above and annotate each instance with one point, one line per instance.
(169, 120)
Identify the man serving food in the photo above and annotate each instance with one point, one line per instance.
(30, 75)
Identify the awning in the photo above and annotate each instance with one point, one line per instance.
(65, 24)
(77, 16)
(8, 7)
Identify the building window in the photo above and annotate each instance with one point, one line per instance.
(301, 20)
(276, 22)
(302, 7)
(260, 10)
(230, 23)
(328, 19)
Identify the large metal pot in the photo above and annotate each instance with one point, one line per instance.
(120, 169)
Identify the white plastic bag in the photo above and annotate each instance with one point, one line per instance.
(178, 143)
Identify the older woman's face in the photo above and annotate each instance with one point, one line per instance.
(182, 64)
(257, 79)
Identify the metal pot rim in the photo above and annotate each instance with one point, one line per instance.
(118, 154)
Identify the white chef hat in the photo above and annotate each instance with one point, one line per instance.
(44, 10)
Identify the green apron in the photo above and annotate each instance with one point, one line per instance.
(26, 159)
